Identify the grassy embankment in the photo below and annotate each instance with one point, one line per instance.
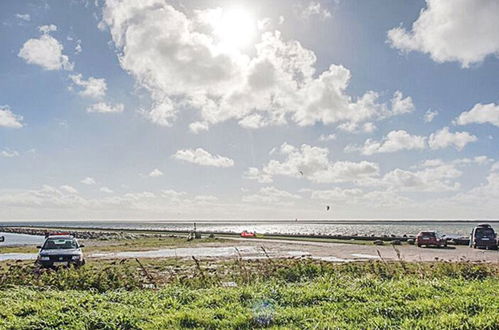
(173, 293)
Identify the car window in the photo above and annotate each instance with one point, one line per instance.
(60, 243)
(484, 232)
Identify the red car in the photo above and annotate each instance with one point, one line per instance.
(430, 238)
(248, 234)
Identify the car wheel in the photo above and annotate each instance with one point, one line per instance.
(419, 245)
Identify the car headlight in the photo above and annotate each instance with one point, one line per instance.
(44, 258)
(76, 257)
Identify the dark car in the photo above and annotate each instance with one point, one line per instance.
(483, 236)
(60, 250)
(430, 238)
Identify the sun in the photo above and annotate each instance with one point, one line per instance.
(236, 28)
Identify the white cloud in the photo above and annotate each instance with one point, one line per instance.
(329, 137)
(478, 160)
(24, 17)
(102, 107)
(88, 181)
(436, 178)
(106, 190)
(253, 121)
(78, 48)
(459, 30)
(254, 173)
(202, 157)
(163, 113)
(430, 115)
(276, 85)
(101, 26)
(401, 105)
(482, 198)
(401, 140)
(313, 164)
(9, 119)
(46, 197)
(264, 24)
(353, 127)
(444, 138)
(432, 175)
(63, 202)
(205, 198)
(9, 153)
(271, 195)
(480, 114)
(45, 51)
(310, 10)
(47, 28)
(68, 189)
(155, 173)
(92, 87)
(198, 126)
(394, 141)
(337, 194)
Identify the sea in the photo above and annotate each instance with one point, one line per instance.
(344, 227)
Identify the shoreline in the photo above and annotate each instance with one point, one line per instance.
(281, 221)
(152, 244)
(95, 232)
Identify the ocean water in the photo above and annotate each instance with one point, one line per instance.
(20, 239)
(378, 228)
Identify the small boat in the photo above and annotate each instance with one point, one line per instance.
(246, 233)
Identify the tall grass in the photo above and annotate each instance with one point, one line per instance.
(303, 294)
(134, 274)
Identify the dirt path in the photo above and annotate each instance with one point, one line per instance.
(326, 251)
(252, 248)
(276, 248)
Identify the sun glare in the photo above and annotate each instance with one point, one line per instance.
(236, 28)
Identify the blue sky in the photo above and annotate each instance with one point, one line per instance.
(248, 110)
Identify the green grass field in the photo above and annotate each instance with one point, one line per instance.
(169, 293)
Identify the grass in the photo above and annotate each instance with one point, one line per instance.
(291, 293)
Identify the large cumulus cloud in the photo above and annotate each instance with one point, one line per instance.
(179, 59)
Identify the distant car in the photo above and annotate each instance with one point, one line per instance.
(60, 250)
(483, 236)
(430, 238)
(248, 234)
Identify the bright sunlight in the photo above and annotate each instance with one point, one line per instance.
(236, 28)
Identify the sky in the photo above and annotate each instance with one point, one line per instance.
(212, 109)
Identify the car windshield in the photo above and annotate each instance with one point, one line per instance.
(59, 244)
(428, 234)
(484, 232)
